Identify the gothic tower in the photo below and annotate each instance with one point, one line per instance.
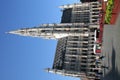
(76, 35)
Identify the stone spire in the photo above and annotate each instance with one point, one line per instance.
(54, 31)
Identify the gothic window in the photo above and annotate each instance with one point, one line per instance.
(83, 70)
(83, 66)
(72, 65)
(72, 68)
(73, 60)
(42, 30)
(83, 61)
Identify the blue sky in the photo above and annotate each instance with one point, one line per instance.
(24, 58)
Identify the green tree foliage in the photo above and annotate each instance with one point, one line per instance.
(109, 8)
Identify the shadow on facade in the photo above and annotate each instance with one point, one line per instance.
(113, 74)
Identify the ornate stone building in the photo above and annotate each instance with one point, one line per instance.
(76, 35)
